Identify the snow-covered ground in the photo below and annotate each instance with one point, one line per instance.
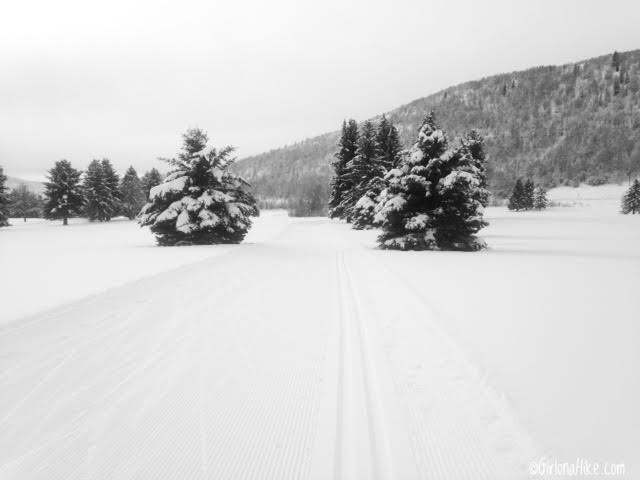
(307, 353)
(45, 264)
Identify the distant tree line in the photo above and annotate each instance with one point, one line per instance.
(98, 194)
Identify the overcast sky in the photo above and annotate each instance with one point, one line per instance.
(124, 79)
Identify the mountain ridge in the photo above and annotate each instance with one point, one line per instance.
(32, 185)
(561, 125)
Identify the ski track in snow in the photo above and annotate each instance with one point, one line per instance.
(359, 395)
(278, 360)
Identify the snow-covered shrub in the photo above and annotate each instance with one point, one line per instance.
(200, 201)
(435, 198)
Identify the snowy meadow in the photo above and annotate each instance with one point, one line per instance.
(50, 265)
(531, 343)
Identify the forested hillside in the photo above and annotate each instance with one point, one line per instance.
(35, 187)
(557, 124)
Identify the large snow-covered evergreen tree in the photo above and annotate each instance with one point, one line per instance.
(102, 195)
(200, 201)
(361, 170)
(63, 192)
(435, 198)
(340, 185)
(631, 199)
(4, 200)
(149, 180)
(132, 197)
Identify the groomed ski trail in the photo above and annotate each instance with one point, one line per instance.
(279, 360)
(362, 449)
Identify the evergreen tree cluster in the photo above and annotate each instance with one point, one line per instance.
(200, 201)
(431, 196)
(363, 159)
(527, 196)
(99, 194)
(631, 199)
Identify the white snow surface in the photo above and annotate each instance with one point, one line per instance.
(307, 353)
(45, 264)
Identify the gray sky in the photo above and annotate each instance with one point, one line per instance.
(83, 79)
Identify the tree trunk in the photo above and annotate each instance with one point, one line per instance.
(65, 221)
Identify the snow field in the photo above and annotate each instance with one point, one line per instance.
(548, 317)
(307, 353)
(45, 264)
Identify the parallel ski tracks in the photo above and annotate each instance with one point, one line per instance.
(362, 441)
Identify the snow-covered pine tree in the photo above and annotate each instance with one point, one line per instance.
(347, 146)
(434, 198)
(102, 195)
(200, 201)
(388, 144)
(132, 196)
(95, 193)
(631, 199)
(361, 170)
(112, 183)
(516, 200)
(364, 211)
(540, 201)
(529, 189)
(388, 152)
(24, 203)
(474, 144)
(63, 193)
(149, 180)
(4, 200)
(462, 196)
